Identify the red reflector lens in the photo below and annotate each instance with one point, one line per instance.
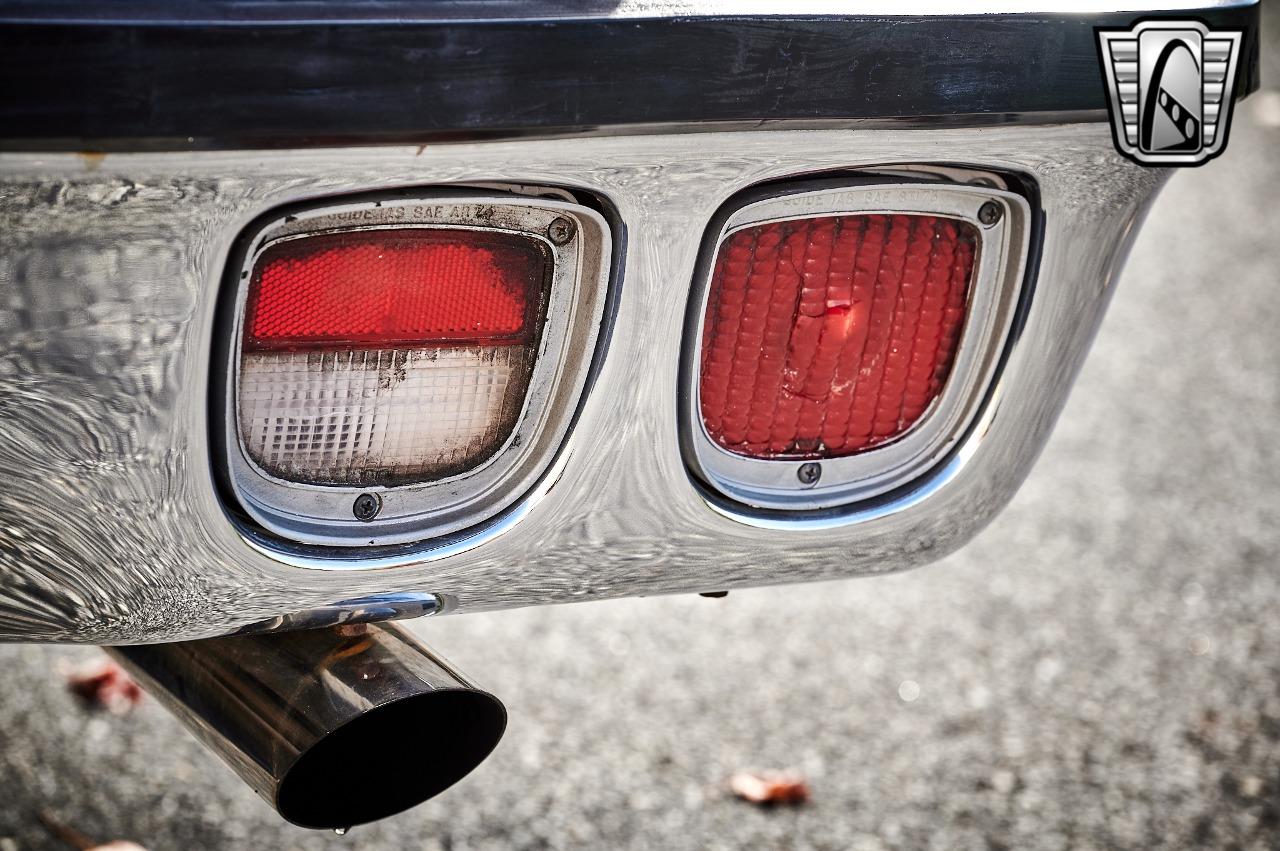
(394, 288)
(827, 336)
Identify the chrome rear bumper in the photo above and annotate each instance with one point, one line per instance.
(112, 529)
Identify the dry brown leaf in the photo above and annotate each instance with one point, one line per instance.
(770, 787)
(73, 838)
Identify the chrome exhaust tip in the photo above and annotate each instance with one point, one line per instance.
(333, 727)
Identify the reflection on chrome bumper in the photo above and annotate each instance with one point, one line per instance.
(111, 526)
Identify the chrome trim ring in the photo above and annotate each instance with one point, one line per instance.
(322, 514)
(999, 266)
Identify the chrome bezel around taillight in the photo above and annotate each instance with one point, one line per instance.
(999, 266)
(579, 259)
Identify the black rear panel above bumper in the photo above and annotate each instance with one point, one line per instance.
(146, 76)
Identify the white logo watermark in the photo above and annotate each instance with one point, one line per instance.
(1169, 87)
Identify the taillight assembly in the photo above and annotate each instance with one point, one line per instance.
(383, 357)
(402, 368)
(845, 335)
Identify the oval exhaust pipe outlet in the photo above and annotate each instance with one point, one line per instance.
(334, 727)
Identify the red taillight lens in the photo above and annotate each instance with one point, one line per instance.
(385, 357)
(393, 288)
(827, 336)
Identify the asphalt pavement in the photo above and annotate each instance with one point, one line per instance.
(1099, 669)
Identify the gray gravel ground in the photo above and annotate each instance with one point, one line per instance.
(1099, 669)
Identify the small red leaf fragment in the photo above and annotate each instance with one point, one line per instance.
(770, 787)
(104, 685)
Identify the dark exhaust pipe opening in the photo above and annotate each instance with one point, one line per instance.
(334, 727)
(390, 759)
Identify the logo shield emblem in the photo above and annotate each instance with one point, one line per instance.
(1169, 87)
